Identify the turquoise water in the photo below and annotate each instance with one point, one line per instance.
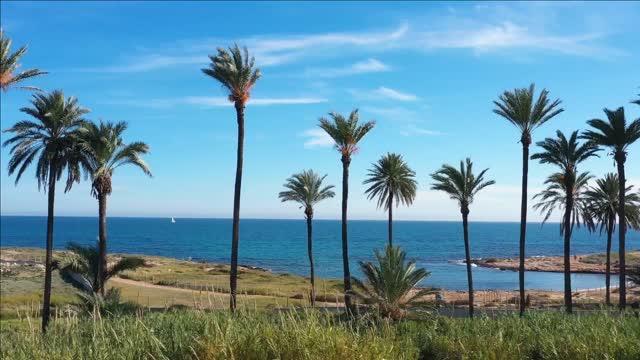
(280, 245)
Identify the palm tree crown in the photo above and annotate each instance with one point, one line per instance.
(306, 189)
(519, 108)
(391, 178)
(9, 65)
(460, 184)
(565, 153)
(346, 132)
(602, 200)
(50, 138)
(613, 133)
(234, 69)
(389, 284)
(104, 141)
(554, 196)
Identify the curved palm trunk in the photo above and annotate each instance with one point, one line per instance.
(526, 140)
(567, 250)
(102, 234)
(390, 218)
(310, 253)
(48, 268)
(467, 254)
(346, 161)
(622, 228)
(608, 270)
(235, 235)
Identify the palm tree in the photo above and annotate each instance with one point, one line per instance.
(390, 284)
(104, 142)
(462, 185)
(51, 139)
(81, 267)
(565, 154)
(615, 135)
(9, 64)
(346, 133)
(391, 178)
(602, 202)
(306, 189)
(235, 70)
(519, 109)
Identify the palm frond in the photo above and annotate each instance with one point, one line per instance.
(391, 177)
(346, 132)
(10, 63)
(460, 184)
(306, 188)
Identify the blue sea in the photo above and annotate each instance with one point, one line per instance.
(281, 245)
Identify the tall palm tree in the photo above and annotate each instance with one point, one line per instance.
(9, 65)
(390, 284)
(462, 185)
(391, 178)
(51, 139)
(306, 189)
(602, 202)
(615, 135)
(519, 108)
(235, 70)
(346, 133)
(566, 154)
(109, 152)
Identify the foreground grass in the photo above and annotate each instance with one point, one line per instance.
(312, 335)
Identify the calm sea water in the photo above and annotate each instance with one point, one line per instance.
(280, 245)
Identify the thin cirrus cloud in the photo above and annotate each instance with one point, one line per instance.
(317, 138)
(370, 65)
(211, 101)
(383, 93)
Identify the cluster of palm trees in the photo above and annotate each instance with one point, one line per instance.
(58, 139)
(61, 140)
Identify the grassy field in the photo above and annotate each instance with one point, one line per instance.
(191, 334)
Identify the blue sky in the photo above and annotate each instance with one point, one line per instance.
(426, 72)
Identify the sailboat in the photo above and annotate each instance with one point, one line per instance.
(173, 221)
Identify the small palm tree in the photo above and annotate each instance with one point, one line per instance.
(615, 135)
(390, 284)
(602, 200)
(462, 185)
(306, 189)
(346, 133)
(109, 152)
(565, 154)
(9, 65)
(235, 70)
(81, 269)
(391, 178)
(519, 108)
(51, 139)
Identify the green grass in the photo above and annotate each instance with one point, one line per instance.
(191, 334)
(632, 257)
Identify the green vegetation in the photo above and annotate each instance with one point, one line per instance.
(462, 185)
(317, 335)
(10, 63)
(519, 108)
(307, 190)
(391, 178)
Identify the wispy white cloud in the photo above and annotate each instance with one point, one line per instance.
(370, 65)
(382, 93)
(411, 129)
(317, 138)
(211, 101)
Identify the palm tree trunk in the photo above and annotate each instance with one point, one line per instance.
(567, 250)
(620, 159)
(310, 253)
(526, 140)
(233, 278)
(390, 218)
(608, 270)
(102, 233)
(467, 254)
(48, 268)
(346, 161)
